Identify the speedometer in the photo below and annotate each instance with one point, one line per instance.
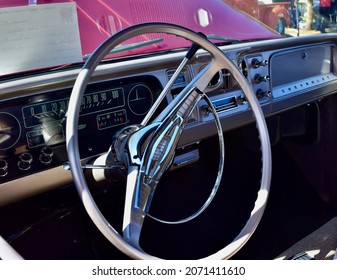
(55, 110)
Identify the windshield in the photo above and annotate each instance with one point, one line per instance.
(47, 34)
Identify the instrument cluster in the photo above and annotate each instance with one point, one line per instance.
(32, 129)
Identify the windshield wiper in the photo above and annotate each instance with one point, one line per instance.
(128, 47)
(222, 38)
(133, 46)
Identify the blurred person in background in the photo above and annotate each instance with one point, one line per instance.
(326, 14)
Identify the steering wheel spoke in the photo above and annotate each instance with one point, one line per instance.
(142, 180)
(161, 148)
(136, 201)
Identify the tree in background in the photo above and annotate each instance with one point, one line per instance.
(310, 15)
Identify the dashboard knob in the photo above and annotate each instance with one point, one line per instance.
(260, 93)
(25, 161)
(258, 78)
(256, 63)
(46, 155)
(3, 168)
(264, 62)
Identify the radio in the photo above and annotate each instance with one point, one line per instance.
(221, 105)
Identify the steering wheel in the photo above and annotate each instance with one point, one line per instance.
(147, 150)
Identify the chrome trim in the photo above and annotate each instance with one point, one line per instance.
(164, 92)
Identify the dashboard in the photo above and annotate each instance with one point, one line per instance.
(284, 73)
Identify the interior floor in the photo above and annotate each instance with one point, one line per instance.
(55, 225)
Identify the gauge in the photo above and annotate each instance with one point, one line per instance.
(111, 119)
(55, 110)
(10, 130)
(140, 99)
(43, 113)
(102, 100)
(46, 135)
